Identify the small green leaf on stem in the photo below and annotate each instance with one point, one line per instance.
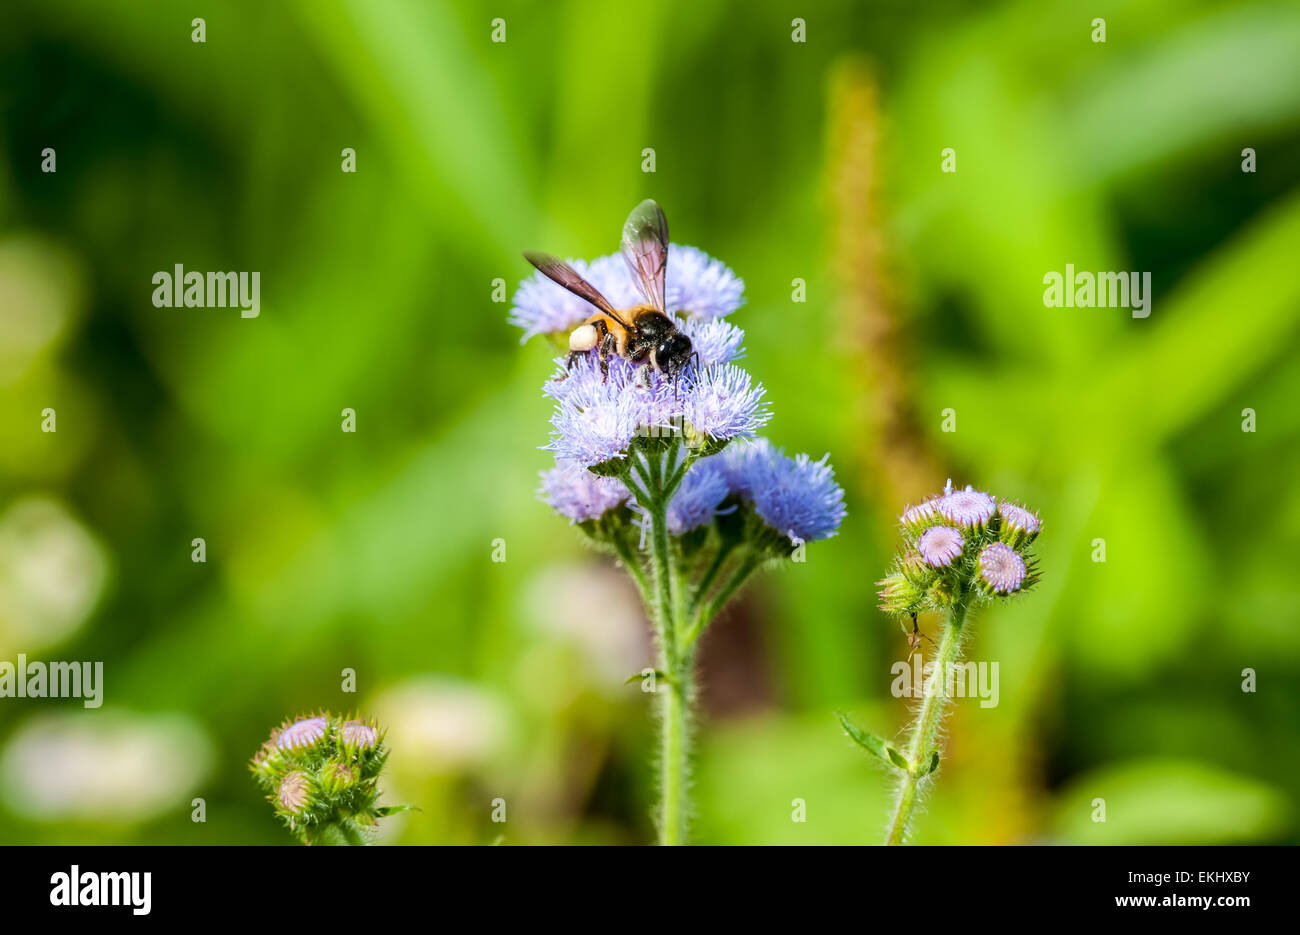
(872, 744)
(933, 762)
(384, 811)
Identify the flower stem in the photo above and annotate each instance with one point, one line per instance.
(925, 730)
(341, 832)
(748, 565)
(675, 697)
(706, 580)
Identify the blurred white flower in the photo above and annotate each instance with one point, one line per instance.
(113, 767)
(594, 608)
(39, 292)
(52, 573)
(438, 724)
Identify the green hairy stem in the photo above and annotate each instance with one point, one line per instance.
(925, 729)
(679, 613)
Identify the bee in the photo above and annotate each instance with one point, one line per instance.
(643, 334)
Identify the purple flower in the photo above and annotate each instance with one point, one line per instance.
(698, 286)
(595, 419)
(940, 545)
(916, 517)
(798, 497)
(1001, 569)
(723, 403)
(715, 340)
(969, 508)
(304, 733)
(1019, 526)
(697, 499)
(573, 491)
(740, 462)
(358, 734)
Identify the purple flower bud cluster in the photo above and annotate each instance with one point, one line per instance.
(321, 774)
(960, 543)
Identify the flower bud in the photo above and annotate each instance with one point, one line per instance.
(1019, 526)
(296, 795)
(357, 736)
(898, 595)
(1000, 570)
(918, 518)
(940, 546)
(302, 735)
(916, 570)
(968, 509)
(337, 777)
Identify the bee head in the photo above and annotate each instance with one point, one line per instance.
(672, 353)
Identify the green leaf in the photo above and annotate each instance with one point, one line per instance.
(385, 810)
(873, 744)
(614, 467)
(933, 763)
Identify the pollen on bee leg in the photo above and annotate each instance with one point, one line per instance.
(583, 338)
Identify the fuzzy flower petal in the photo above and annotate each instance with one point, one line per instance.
(697, 499)
(1017, 517)
(741, 463)
(724, 403)
(798, 497)
(716, 341)
(358, 734)
(698, 286)
(595, 419)
(969, 508)
(303, 733)
(573, 491)
(940, 545)
(1001, 568)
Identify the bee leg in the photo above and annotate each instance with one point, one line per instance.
(606, 345)
(573, 355)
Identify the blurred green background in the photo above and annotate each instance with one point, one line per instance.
(817, 161)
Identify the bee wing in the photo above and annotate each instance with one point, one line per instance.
(565, 275)
(645, 248)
